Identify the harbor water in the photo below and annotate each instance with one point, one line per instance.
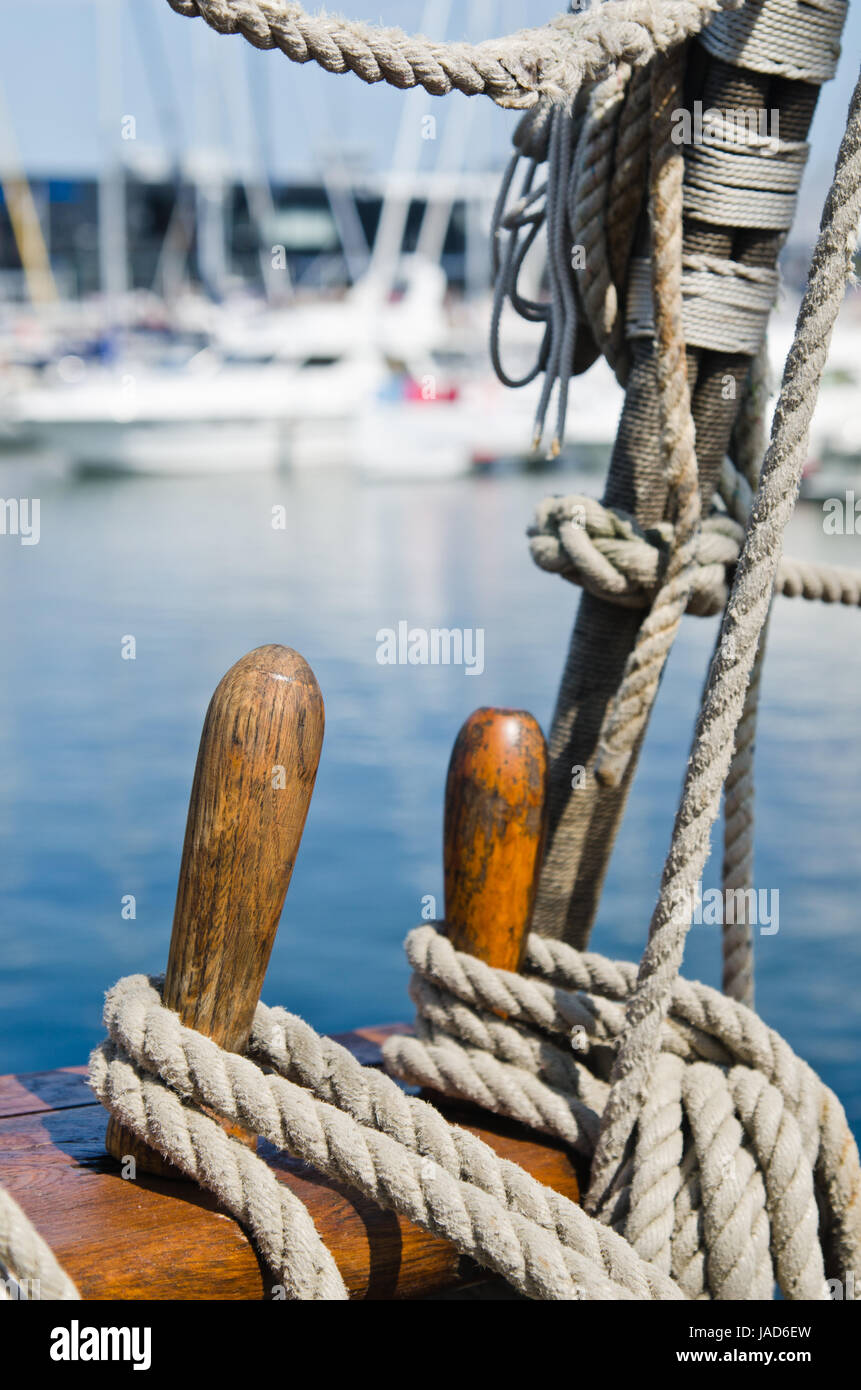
(99, 736)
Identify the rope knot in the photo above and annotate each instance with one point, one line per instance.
(605, 550)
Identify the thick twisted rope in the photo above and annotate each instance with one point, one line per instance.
(309, 1096)
(517, 71)
(730, 675)
(27, 1259)
(643, 670)
(605, 551)
(738, 849)
(154, 1074)
(591, 216)
(737, 869)
(768, 1181)
(277, 1222)
(769, 1140)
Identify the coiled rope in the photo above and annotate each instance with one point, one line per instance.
(765, 1139)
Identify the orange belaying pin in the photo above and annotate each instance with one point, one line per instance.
(493, 833)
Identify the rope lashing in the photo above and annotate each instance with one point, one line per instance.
(516, 71)
(356, 1125)
(771, 1175)
(644, 667)
(604, 550)
(724, 697)
(583, 822)
(738, 174)
(725, 306)
(741, 178)
(798, 39)
(721, 1156)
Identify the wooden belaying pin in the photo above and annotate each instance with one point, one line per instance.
(252, 786)
(493, 833)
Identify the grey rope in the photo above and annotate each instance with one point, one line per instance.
(770, 1141)
(730, 674)
(517, 71)
(604, 550)
(737, 871)
(627, 718)
(725, 305)
(805, 33)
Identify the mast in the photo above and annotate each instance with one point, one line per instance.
(208, 170)
(113, 248)
(396, 203)
(24, 216)
(232, 77)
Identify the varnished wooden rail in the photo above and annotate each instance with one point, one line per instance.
(158, 1236)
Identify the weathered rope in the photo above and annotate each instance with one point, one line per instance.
(154, 1074)
(748, 445)
(603, 550)
(27, 1259)
(744, 179)
(769, 1139)
(313, 1098)
(730, 674)
(645, 665)
(551, 61)
(798, 39)
(725, 305)
(591, 216)
(583, 822)
(722, 1157)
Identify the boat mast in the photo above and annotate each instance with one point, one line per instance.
(398, 196)
(113, 249)
(24, 216)
(208, 170)
(232, 76)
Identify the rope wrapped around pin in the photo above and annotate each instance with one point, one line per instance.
(744, 1173)
(606, 551)
(307, 1095)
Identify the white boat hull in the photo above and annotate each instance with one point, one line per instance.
(168, 447)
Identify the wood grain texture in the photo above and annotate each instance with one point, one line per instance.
(255, 773)
(153, 1238)
(493, 833)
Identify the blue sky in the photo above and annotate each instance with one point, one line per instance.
(70, 70)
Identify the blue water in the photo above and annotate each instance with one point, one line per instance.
(98, 752)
